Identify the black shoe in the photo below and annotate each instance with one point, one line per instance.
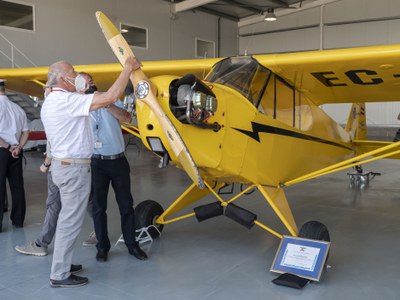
(75, 269)
(138, 253)
(17, 225)
(101, 256)
(71, 281)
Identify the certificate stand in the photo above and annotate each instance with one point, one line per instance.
(300, 260)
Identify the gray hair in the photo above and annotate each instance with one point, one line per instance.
(56, 71)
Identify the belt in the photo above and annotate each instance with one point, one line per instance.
(108, 157)
(69, 161)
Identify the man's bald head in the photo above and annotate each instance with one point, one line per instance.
(58, 72)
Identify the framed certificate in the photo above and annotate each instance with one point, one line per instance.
(300, 256)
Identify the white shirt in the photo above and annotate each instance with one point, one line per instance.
(12, 121)
(66, 121)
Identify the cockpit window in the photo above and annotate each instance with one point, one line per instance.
(242, 74)
(269, 93)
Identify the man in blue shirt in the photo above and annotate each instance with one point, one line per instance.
(109, 164)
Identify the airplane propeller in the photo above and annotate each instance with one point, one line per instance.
(144, 93)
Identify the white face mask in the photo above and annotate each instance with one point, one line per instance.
(79, 83)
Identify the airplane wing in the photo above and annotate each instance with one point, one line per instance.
(30, 81)
(365, 74)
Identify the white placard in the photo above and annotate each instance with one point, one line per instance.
(300, 257)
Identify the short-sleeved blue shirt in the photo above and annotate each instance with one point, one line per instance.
(107, 131)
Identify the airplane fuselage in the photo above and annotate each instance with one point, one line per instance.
(268, 144)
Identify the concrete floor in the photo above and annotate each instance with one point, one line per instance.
(219, 259)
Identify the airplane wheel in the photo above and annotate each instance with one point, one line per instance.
(317, 231)
(146, 213)
(314, 230)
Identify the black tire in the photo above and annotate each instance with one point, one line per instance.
(146, 213)
(314, 230)
(317, 231)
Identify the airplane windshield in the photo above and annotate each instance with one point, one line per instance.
(242, 74)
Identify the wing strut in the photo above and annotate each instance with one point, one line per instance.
(354, 161)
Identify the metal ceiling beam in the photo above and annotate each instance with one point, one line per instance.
(280, 3)
(285, 11)
(243, 5)
(218, 13)
(189, 4)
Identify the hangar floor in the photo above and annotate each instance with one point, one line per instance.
(218, 258)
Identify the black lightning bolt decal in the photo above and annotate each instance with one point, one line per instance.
(257, 128)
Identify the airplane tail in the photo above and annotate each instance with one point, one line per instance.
(357, 123)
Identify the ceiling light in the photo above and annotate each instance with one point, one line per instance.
(124, 30)
(270, 16)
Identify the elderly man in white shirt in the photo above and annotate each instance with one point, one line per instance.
(65, 116)
(13, 136)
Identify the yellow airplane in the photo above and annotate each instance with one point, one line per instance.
(254, 120)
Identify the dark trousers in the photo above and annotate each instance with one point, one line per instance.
(11, 169)
(5, 208)
(397, 136)
(118, 173)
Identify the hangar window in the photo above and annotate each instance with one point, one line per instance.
(135, 36)
(205, 49)
(16, 15)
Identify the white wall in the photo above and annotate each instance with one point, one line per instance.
(69, 30)
(347, 23)
(379, 23)
(282, 35)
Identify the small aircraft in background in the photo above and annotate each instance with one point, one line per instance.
(253, 120)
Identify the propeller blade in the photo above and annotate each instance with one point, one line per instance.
(144, 93)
